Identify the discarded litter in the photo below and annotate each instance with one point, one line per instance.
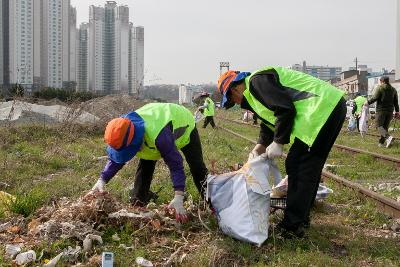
(125, 214)
(54, 261)
(115, 237)
(143, 262)
(12, 250)
(26, 257)
(88, 241)
(241, 201)
(71, 254)
(107, 259)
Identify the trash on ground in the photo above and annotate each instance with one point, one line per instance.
(280, 190)
(115, 237)
(88, 241)
(107, 259)
(71, 254)
(53, 262)
(26, 257)
(125, 214)
(241, 201)
(13, 250)
(143, 262)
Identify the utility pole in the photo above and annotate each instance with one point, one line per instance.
(356, 61)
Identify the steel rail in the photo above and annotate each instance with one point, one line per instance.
(388, 206)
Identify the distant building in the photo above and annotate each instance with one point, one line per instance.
(362, 68)
(21, 43)
(398, 43)
(352, 82)
(136, 64)
(321, 72)
(185, 95)
(95, 48)
(83, 58)
(373, 81)
(1, 47)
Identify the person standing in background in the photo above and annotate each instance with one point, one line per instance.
(386, 100)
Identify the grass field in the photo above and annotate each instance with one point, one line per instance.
(41, 165)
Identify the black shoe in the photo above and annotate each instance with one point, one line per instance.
(291, 232)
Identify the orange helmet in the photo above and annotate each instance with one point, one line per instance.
(224, 84)
(124, 137)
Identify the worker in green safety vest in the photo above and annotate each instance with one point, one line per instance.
(208, 109)
(293, 107)
(155, 131)
(359, 101)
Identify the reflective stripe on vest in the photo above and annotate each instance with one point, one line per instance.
(158, 115)
(313, 99)
(210, 110)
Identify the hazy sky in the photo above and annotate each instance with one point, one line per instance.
(186, 39)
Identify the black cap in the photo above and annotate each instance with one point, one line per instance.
(385, 79)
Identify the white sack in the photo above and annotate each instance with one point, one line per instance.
(363, 123)
(241, 200)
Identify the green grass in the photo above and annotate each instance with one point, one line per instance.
(43, 164)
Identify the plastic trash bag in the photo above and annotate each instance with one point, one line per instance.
(198, 116)
(281, 189)
(241, 200)
(352, 124)
(363, 123)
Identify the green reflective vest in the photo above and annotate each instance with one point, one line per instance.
(359, 100)
(313, 99)
(210, 110)
(156, 116)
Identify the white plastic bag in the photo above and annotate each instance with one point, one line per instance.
(281, 189)
(241, 200)
(363, 123)
(198, 116)
(352, 124)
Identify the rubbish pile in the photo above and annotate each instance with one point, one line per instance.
(24, 112)
(112, 106)
(84, 221)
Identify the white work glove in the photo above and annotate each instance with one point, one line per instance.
(274, 150)
(253, 154)
(99, 186)
(177, 206)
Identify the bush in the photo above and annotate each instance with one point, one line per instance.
(63, 95)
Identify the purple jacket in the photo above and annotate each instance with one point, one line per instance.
(165, 143)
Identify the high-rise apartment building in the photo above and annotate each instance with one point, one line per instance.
(55, 43)
(1, 46)
(398, 42)
(137, 59)
(73, 42)
(111, 49)
(21, 42)
(83, 58)
(95, 49)
(5, 42)
(110, 44)
(122, 49)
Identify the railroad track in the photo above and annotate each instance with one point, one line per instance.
(341, 147)
(387, 205)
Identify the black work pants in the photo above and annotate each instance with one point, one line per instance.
(383, 119)
(194, 157)
(304, 167)
(207, 120)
